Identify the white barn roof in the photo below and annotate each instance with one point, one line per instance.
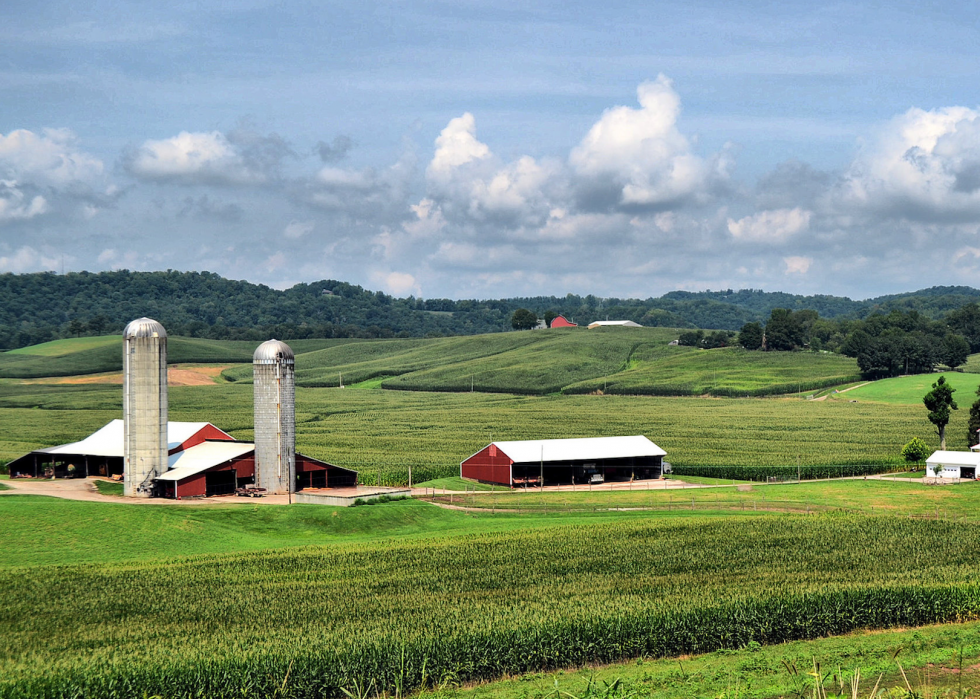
(202, 457)
(614, 324)
(954, 458)
(587, 448)
(108, 441)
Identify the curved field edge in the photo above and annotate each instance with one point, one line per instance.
(405, 615)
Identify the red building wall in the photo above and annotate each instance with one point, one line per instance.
(489, 465)
(560, 322)
(196, 485)
(205, 433)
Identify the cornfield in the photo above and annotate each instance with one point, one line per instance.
(400, 615)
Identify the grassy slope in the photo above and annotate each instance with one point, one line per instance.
(374, 431)
(908, 390)
(58, 348)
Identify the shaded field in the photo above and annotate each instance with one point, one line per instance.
(908, 390)
(728, 371)
(404, 614)
(379, 433)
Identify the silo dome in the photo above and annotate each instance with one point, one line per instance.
(144, 327)
(272, 351)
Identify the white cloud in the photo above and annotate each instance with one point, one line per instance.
(192, 158)
(49, 159)
(456, 145)
(429, 220)
(295, 230)
(27, 259)
(642, 151)
(797, 265)
(16, 205)
(924, 164)
(774, 226)
(397, 283)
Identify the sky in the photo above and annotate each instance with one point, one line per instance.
(496, 149)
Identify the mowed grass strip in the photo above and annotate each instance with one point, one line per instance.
(398, 615)
(909, 390)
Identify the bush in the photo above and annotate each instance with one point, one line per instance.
(916, 450)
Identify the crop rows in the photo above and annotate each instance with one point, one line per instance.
(382, 433)
(401, 615)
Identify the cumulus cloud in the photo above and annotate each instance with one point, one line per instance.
(456, 145)
(50, 158)
(15, 204)
(923, 165)
(775, 226)
(797, 265)
(397, 283)
(639, 155)
(242, 157)
(27, 259)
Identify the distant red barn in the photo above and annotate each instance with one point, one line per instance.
(561, 322)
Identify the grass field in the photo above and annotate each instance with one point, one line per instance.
(937, 661)
(908, 390)
(379, 433)
(59, 348)
(413, 612)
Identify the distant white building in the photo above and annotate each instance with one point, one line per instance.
(614, 324)
(953, 464)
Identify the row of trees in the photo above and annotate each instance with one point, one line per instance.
(899, 342)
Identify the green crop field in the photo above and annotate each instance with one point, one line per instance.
(728, 371)
(381, 433)
(400, 614)
(59, 348)
(908, 390)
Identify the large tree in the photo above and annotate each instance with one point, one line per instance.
(523, 319)
(750, 337)
(939, 401)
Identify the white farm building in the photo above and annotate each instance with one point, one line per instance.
(953, 465)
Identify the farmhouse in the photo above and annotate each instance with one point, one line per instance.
(614, 324)
(953, 464)
(203, 461)
(565, 461)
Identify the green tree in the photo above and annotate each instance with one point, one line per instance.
(915, 451)
(954, 350)
(549, 316)
(523, 319)
(784, 330)
(76, 327)
(750, 336)
(939, 401)
(972, 437)
(691, 338)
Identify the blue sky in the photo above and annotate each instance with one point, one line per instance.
(491, 149)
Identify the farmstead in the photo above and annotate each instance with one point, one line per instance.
(953, 465)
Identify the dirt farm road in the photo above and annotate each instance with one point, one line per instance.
(84, 489)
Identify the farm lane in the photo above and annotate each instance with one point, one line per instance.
(84, 489)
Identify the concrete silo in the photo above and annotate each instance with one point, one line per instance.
(273, 366)
(144, 406)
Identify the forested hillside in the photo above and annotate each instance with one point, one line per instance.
(39, 307)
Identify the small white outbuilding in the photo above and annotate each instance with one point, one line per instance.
(953, 464)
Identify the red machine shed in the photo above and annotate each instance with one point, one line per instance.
(489, 465)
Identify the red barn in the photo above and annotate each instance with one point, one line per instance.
(560, 322)
(565, 461)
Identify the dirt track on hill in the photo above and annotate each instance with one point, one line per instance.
(177, 375)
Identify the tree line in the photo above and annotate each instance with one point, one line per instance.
(884, 344)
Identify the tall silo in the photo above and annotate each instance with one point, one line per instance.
(144, 406)
(273, 367)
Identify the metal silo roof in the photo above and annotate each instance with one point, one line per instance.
(272, 351)
(144, 327)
